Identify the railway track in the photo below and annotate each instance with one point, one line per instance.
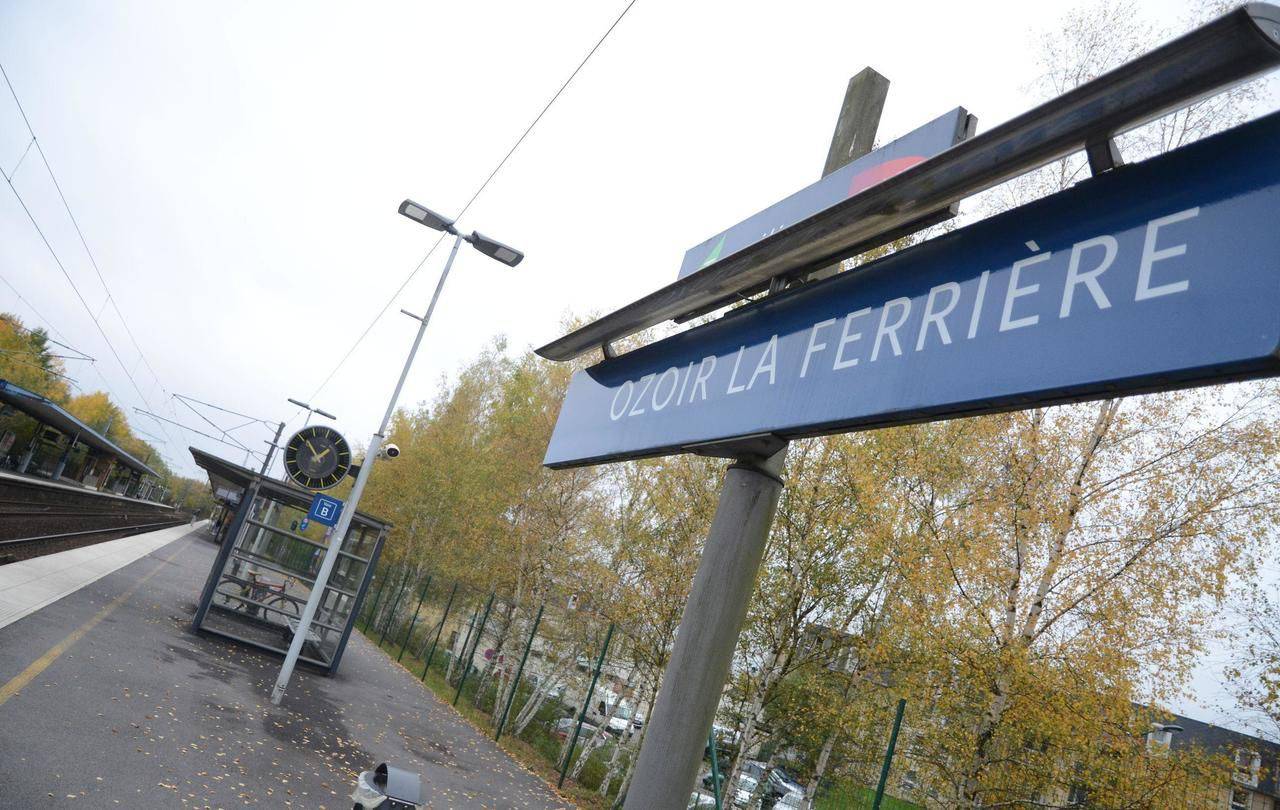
(25, 548)
(39, 517)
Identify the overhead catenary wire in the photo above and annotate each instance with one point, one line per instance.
(79, 355)
(79, 296)
(49, 324)
(75, 223)
(190, 429)
(25, 152)
(214, 425)
(492, 174)
(42, 318)
(34, 353)
(110, 298)
(226, 432)
(252, 419)
(105, 384)
(54, 329)
(42, 368)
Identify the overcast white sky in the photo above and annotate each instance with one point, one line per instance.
(236, 168)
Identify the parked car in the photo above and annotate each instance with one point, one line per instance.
(792, 801)
(746, 788)
(556, 692)
(754, 769)
(700, 798)
(623, 717)
(615, 713)
(563, 728)
(782, 785)
(775, 790)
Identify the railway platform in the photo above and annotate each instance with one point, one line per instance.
(108, 698)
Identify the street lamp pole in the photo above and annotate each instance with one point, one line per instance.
(310, 410)
(484, 245)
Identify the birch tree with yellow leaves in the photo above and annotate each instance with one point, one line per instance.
(1076, 571)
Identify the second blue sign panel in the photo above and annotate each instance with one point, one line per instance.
(1157, 275)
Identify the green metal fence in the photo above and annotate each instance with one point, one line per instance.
(555, 673)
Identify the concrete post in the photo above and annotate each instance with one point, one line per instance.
(859, 119)
(713, 616)
(855, 133)
(694, 679)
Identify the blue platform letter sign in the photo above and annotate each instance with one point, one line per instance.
(325, 510)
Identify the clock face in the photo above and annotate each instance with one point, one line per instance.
(317, 457)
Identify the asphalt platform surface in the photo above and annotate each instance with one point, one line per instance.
(136, 710)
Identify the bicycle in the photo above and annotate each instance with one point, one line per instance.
(256, 592)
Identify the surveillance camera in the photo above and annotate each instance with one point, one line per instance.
(391, 451)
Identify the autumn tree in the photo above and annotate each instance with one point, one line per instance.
(1253, 675)
(1077, 568)
(658, 514)
(28, 359)
(825, 574)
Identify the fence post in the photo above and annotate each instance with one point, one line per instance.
(466, 642)
(439, 630)
(515, 683)
(409, 633)
(391, 615)
(715, 766)
(888, 754)
(582, 715)
(466, 664)
(373, 611)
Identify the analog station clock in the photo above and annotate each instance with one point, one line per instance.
(317, 457)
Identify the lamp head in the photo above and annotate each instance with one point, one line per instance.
(495, 249)
(425, 216)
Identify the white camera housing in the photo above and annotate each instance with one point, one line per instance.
(391, 451)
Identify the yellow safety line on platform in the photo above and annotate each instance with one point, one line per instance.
(42, 663)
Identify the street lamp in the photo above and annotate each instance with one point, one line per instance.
(438, 222)
(310, 410)
(489, 247)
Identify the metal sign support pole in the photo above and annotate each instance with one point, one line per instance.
(693, 682)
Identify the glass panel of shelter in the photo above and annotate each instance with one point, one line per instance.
(270, 572)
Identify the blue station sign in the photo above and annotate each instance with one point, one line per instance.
(1153, 276)
(853, 178)
(325, 510)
